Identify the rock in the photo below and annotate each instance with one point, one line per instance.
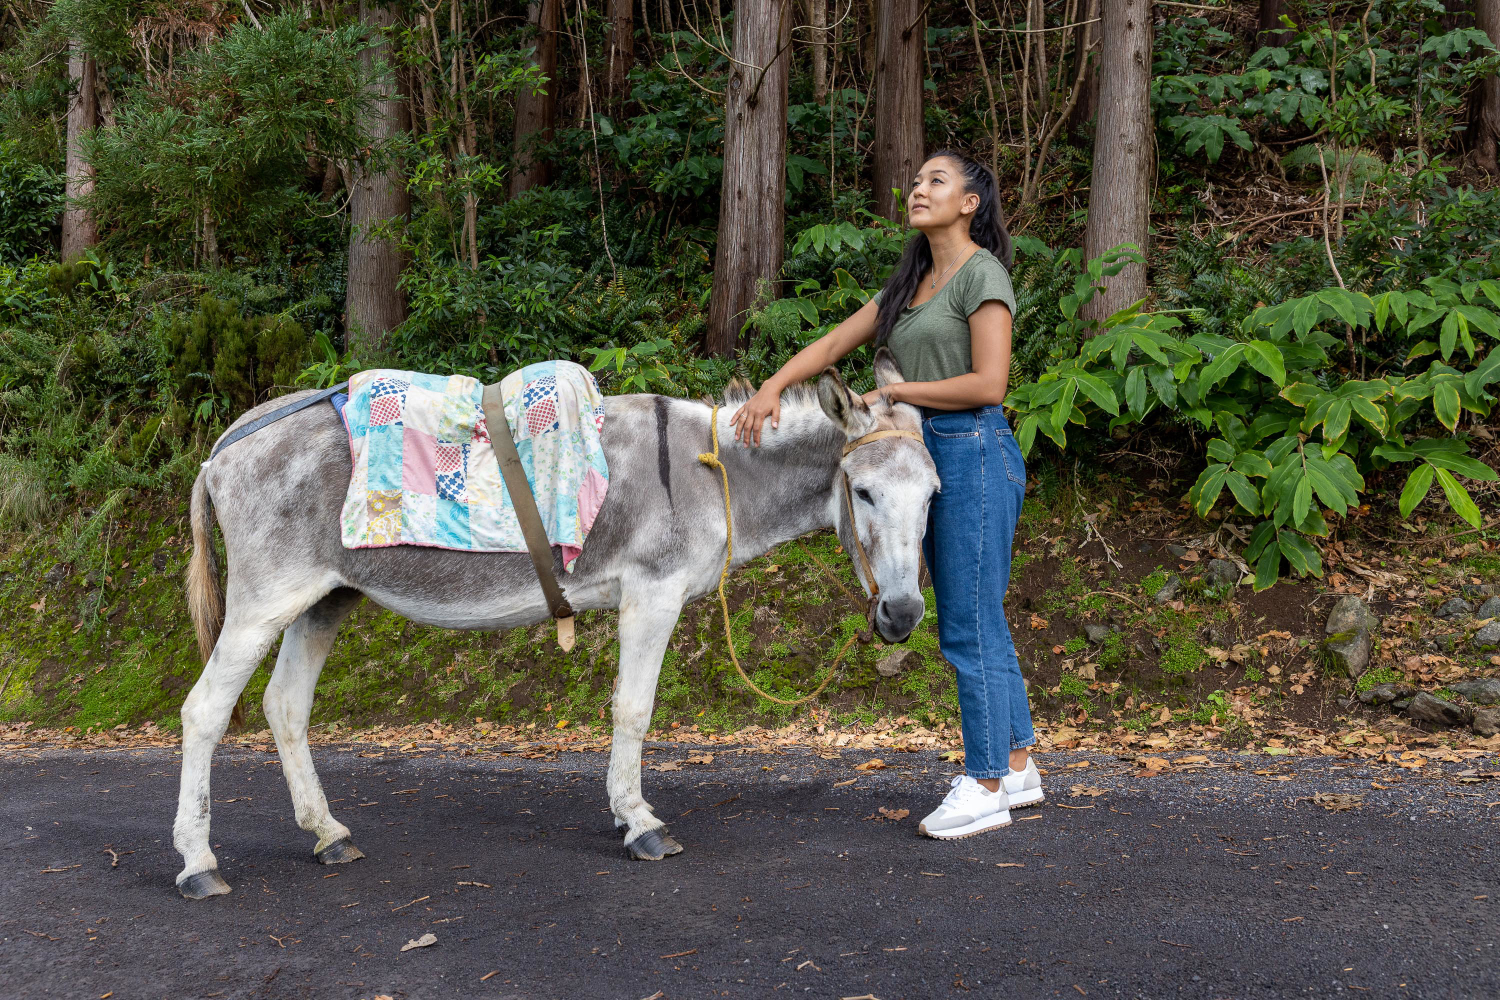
(56, 575)
(1097, 633)
(1216, 636)
(1425, 707)
(1485, 690)
(1177, 550)
(1349, 651)
(1454, 608)
(159, 559)
(1487, 637)
(1487, 722)
(1169, 589)
(1349, 628)
(1446, 643)
(1221, 573)
(894, 662)
(1489, 609)
(1401, 704)
(1479, 589)
(1384, 694)
(1350, 614)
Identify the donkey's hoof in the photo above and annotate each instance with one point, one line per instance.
(339, 852)
(201, 885)
(653, 845)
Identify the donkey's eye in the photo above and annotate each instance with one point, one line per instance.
(864, 495)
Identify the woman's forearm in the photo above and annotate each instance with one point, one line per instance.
(962, 392)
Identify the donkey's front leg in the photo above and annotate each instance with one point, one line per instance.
(647, 617)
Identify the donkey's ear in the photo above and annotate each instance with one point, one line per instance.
(886, 369)
(842, 406)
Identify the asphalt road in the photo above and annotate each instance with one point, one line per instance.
(1214, 883)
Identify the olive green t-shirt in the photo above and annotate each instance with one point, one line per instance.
(931, 341)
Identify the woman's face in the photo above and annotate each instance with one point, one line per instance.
(937, 198)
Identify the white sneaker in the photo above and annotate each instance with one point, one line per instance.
(1024, 787)
(970, 808)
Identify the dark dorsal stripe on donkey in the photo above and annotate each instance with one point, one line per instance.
(658, 543)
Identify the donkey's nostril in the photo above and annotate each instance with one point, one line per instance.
(898, 616)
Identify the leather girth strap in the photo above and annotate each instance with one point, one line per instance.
(524, 502)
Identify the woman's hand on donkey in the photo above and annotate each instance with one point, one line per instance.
(748, 418)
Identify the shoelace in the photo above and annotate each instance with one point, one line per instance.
(964, 788)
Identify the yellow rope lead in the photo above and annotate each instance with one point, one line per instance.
(711, 459)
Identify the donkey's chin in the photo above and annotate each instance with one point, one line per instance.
(896, 618)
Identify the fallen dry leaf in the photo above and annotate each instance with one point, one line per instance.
(1338, 801)
(1038, 622)
(1089, 790)
(425, 941)
(894, 814)
(874, 764)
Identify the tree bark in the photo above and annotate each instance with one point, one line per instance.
(1487, 20)
(374, 304)
(535, 113)
(900, 137)
(1269, 31)
(1120, 189)
(621, 46)
(817, 16)
(751, 209)
(78, 229)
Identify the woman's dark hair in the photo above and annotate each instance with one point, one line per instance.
(986, 227)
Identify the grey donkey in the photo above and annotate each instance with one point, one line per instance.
(658, 543)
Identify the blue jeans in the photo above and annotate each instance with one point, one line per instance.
(971, 527)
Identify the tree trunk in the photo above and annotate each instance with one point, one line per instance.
(1120, 188)
(78, 229)
(751, 208)
(1269, 31)
(535, 113)
(900, 138)
(1487, 20)
(817, 16)
(621, 46)
(374, 304)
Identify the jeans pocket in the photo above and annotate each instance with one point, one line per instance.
(1015, 466)
(959, 424)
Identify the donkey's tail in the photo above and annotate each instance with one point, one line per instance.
(205, 593)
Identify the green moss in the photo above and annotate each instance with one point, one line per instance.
(1154, 582)
(1374, 678)
(1184, 655)
(1072, 686)
(1075, 645)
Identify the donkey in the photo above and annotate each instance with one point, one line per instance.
(658, 543)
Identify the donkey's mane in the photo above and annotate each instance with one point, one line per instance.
(738, 392)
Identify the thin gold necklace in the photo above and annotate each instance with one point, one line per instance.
(951, 263)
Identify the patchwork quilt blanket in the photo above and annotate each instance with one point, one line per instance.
(426, 474)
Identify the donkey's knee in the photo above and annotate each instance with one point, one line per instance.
(283, 710)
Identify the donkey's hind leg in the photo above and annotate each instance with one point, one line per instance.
(205, 716)
(288, 705)
(646, 623)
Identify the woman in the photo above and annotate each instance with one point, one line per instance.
(946, 316)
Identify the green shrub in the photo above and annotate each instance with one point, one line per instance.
(230, 362)
(30, 200)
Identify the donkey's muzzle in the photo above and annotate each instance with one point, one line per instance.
(897, 617)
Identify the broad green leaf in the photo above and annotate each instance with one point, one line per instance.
(1458, 497)
(1026, 434)
(1264, 532)
(1252, 463)
(1372, 414)
(1300, 554)
(1267, 567)
(1222, 366)
(1064, 406)
(1302, 498)
(1337, 421)
(1301, 393)
(1220, 450)
(1417, 485)
(1135, 390)
(1448, 336)
(1247, 495)
(1463, 465)
(1266, 359)
(1445, 404)
(1393, 453)
(1100, 394)
(1206, 490)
